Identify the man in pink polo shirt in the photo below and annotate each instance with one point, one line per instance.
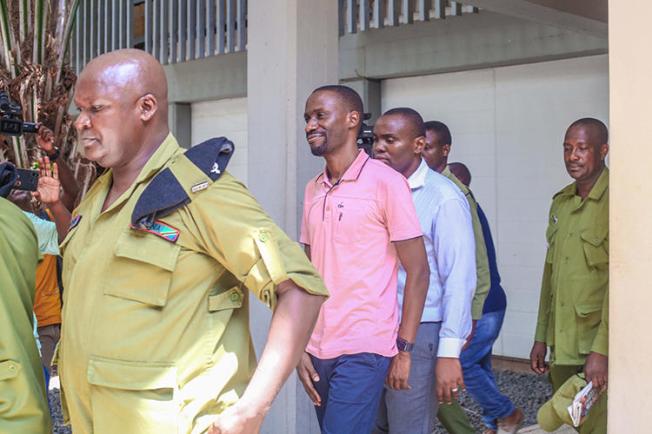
(358, 222)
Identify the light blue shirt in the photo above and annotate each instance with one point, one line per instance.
(445, 220)
(46, 232)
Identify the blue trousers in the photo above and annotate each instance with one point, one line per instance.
(478, 376)
(350, 387)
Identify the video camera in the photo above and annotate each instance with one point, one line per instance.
(366, 135)
(11, 118)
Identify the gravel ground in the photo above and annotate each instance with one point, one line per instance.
(527, 391)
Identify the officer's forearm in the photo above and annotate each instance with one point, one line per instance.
(292, 323)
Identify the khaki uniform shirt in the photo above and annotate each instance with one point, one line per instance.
(155, 335)
(481, 260)
(23, 402)
(574, 306)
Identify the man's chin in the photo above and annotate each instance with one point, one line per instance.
(319, 150)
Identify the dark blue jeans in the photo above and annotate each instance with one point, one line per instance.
(478, 376)
(350, 387)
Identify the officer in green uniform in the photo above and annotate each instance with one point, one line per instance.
(23, 401)
(158, 263)
(438, 143)
(573, 308)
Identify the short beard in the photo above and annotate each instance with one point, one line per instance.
(320, 150)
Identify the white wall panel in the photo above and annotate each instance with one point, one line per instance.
(225, 117)
(508, 126)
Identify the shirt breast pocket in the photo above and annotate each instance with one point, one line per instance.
(596, 249)
(142, 269)
(352, 220)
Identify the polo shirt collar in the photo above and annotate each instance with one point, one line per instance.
(352, 173)
(418, 178)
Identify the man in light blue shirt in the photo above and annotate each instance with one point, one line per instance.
(399, 137)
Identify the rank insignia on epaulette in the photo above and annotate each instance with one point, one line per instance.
(199, 187)
(74, 222)
(160, 229)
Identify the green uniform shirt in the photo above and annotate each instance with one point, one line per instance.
(23, 402)
(155, 335)
(574, 306)
(481, 260)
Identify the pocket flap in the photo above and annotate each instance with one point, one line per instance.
(231, 299)
(125, 375)
(593, 238)
(148, 249)
(587, 309)
(9, 369)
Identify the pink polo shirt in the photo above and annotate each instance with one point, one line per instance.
(349, 227)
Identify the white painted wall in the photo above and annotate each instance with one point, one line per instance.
(507, 126)
(225, 117)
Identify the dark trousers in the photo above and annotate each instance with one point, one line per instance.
(350, 387)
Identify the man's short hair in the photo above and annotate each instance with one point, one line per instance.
(441, 130)
(418, 127)
(598, 126)
(348, 96)
(461, 172)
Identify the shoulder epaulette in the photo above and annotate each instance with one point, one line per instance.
(168, 191)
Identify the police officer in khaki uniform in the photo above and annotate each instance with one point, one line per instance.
(158, 263)
(574, 307)
(23, 401)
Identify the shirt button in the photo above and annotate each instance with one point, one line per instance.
(235, 297)
(263, 237)
(328, 208)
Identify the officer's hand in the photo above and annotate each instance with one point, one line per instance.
(49, 187)
(449, 380)
(399, 371)
(237, 420)
(596, 369)
(308, 375)
(538, 357)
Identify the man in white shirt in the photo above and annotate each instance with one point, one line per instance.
(443, 212)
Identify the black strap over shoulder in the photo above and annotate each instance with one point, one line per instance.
(166, 193)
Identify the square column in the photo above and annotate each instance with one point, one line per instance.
(292, 48)
(630, 352)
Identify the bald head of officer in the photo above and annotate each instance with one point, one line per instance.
(122, 98)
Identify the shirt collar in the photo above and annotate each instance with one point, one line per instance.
(352, 173)
(418, 178)
(600, 186)
(156, 162)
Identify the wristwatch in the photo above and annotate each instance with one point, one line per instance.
(404, 345)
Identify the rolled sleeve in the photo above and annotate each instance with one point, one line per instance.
(237, 233)
(454, 242)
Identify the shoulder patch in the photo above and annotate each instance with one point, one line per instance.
(165, 193)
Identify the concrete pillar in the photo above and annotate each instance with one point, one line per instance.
(630, 361)
(292, 48)
(179, 118)
(369, 90)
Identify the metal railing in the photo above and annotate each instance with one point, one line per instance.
(173, 31)
(177, 31)
(361, 15)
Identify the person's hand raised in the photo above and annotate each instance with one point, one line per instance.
(49, 187)
(45, 139)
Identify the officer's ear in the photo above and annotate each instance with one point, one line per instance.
(445, 149)
(147, 107)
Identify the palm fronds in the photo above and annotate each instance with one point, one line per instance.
(34, 40)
